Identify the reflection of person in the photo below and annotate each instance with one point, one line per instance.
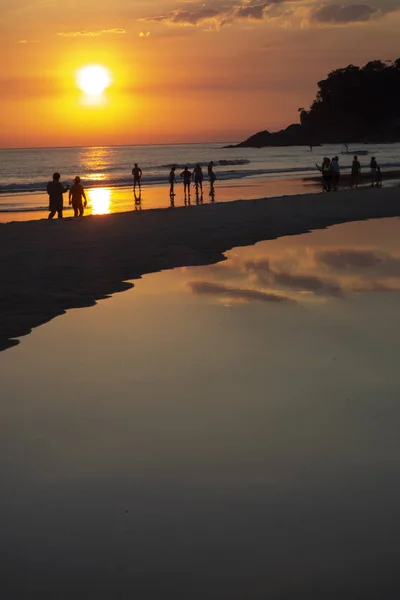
(335, 173)
(172, 181)
(187, 178)
(76, 197)
(55, 190)
(355, 172)
(137, 176)
(378, 177)
(374, 168)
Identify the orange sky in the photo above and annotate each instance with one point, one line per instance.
(214, 70)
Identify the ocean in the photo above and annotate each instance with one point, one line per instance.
(106, 172)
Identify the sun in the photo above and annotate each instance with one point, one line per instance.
(93, 79)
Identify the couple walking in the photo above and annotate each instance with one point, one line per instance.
(56, 190)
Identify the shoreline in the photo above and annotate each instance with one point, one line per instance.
(47, 268)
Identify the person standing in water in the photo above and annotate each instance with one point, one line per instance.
(187, 178)
(137, 176)
(212, 178)
(77, 197)
(198, 178)
(55, 190)
(172, 180)
(355, 172)
(374, 169)
(335, 173)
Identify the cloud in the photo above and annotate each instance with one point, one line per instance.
(384, 265)
(84, 33)
(252, 11)
(28, 42)
(144, 34)
(219, 289)
(228, 12)
(265, 275)
(339, 14)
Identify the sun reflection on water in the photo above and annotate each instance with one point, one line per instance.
(100, 200)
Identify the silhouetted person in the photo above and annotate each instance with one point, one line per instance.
(55, 190)
(335, 173)
(374, 168)
(137, 176)
(211, 173)
(355, 172)
(172, 180)
(187, 178)
(326, 170)
(212, 177)
(198, 178)
(77, 197)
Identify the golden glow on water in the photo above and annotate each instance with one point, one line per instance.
(100, 201)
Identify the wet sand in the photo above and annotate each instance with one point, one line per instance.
(49, 267)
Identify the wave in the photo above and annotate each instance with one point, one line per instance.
(217, 163)
(155, 177)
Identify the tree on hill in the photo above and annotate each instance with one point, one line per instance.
(356, 104)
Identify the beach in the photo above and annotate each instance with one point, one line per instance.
(47, 268)
(223, 431)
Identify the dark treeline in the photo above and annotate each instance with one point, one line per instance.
(353, 104)
(357, 104)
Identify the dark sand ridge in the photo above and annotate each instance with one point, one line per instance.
(49, 267)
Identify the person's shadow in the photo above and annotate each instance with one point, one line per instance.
(138, 200)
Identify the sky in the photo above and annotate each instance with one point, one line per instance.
(181, 71)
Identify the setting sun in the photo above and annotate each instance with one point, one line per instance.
(93, 79)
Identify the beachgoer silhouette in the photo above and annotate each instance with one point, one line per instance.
(172, 180)
(335, 167)
(55, 190)
(374, 169)
(76, 197)
(355, 172)
(198, 178)
(212, 177)
(326, 170)
(137, 176)
(187, 178)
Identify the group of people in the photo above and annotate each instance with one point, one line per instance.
(77, 196)
(187, 177)
(330, 170)
(78, 200)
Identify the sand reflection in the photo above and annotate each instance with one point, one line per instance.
(100, 201)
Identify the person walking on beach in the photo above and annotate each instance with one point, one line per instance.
(55, 190)
(326, 170)
(335, 173)
(198, 178)
(374, 168)
(137, 176)
(187, 178)
(212, 178)
(77, 197)
(355, 172)
(172, 180)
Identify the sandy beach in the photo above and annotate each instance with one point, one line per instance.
(49, 267)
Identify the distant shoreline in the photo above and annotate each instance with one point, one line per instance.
(47, 268)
